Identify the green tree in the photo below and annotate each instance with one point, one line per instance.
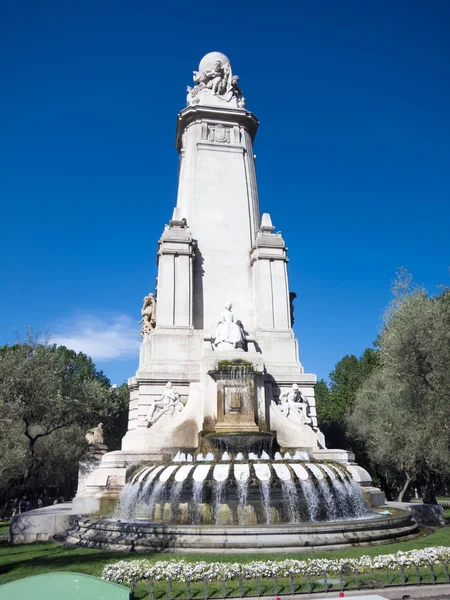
(402, 410)
(49, 396)
(335, 402)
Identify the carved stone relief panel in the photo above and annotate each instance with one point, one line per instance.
(219, 133)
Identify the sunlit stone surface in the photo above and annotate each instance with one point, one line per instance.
(222, 420)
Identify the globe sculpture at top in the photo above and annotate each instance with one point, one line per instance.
(215, 84)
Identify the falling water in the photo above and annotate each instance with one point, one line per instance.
(290, 496)
(154, 496)
(242, 494)
(311, 497)
(197, 500)
(219, 487)
(357, 502)
(330, 504)
(342, 499)
(175, 499)
(264, 490)
(127, 502)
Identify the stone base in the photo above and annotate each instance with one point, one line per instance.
(107, 480)
(145, 537)
(428, 515)
(41, 524)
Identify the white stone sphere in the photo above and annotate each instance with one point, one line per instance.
(210, 59)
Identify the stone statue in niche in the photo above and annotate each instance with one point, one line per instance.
(294, 406)
(169, 403)
(95, 435)
(148, 313)
(216, 79)
(229, 332)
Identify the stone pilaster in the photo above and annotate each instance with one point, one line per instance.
(271, 289)
(175, 256)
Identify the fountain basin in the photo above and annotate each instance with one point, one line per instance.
(145, 537)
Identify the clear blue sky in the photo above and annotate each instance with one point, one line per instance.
(353, 157)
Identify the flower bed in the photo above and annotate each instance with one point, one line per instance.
(182, 571)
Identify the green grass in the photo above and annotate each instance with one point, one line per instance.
(24, 560)
(4, 527)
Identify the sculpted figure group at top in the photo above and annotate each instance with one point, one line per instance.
(220, 81)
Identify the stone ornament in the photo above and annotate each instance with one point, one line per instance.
(215, 78)
(219, 133)
(229, 333)
(148, 313)
(294, 406)
(169, 403)
(95, 436)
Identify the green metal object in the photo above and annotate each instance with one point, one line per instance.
(64, 586)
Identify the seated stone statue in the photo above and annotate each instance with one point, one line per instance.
(95, 435)
(229, 332)
(294, 406)
(167, 404)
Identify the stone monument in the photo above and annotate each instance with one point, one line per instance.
(219, 356)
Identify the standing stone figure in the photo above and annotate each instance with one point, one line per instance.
(95, 436)
(166, 405)
(229, 331)
(294, 406)
(148, 313)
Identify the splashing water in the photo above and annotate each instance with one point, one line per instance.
(290, 495)
(175, 498)
(242, 494)
(127, 502)
(197, 500)
(154, 496)
(219, 488)
(330, 504)
(264, 490)
(311, 497)
(342, 499)
(357, 502)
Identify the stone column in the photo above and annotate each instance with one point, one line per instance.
(175, 255)
(271, 289)
(218, 196)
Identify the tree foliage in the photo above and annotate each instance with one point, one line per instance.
(402, 410)
(49, 397)
(335, 401)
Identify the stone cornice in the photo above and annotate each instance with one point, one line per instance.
(222, 115)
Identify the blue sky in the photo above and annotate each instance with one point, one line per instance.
(353, 157)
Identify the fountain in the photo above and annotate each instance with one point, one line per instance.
(223, 448)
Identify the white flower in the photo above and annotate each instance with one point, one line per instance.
(182, 571)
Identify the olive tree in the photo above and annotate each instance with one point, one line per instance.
(402, 410)
(49, 396)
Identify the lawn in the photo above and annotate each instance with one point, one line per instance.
(23, 560)
(4, 527)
